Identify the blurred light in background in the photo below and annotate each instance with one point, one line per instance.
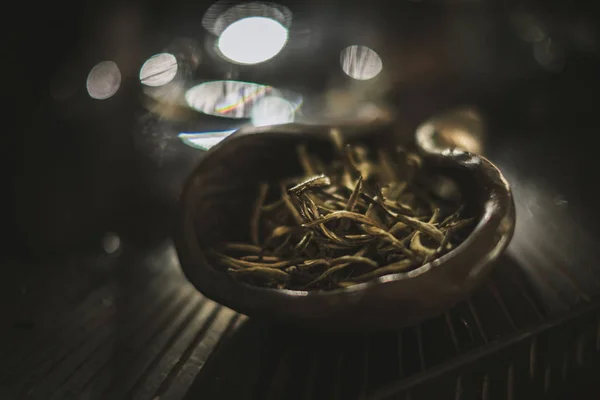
(371, 112)
(360, 62)
(104, 80)
(165, 76)
(235, 99)
(549, 55)
(273, 111)
(170, 94)
(204, 140)
(528, 27)
(252, 40)
(111, 242)
(231, 99)
(158, 70)
(224, 13)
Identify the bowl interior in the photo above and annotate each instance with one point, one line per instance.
(225, 186)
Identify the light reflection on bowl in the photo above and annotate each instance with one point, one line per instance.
(204, 140)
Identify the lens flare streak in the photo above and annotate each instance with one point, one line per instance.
(242, 100)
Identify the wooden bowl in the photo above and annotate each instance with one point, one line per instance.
(219, 195)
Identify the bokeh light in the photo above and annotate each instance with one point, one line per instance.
(273, 111)
(252, 40)
(111, 242)
(104, 80)
(158, 70)
(204, 140)
(360, 62)
(549, 55)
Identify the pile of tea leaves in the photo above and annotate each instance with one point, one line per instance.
(362, 216)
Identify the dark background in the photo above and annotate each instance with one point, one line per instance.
(76, 168)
